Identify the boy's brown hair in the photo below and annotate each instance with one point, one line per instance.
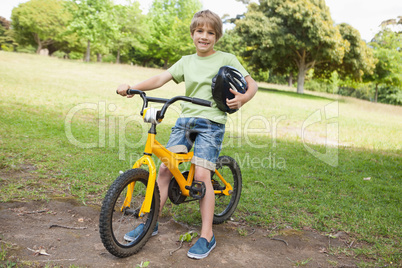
(210, 18)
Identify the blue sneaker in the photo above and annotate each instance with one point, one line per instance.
(201, 248)
(131, 236)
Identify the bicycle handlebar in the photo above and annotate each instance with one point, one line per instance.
(167, 102)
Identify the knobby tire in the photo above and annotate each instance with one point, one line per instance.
(114, 224)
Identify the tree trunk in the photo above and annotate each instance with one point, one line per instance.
(98, 57)
(300, 79)
(118, 56)
(38, 41)
(290, 80)
(39, 48)
(376, 93)
(88, 52)
(303, 68)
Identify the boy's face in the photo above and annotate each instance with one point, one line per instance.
(204, 38)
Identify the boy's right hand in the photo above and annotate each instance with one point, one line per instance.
(122, 90)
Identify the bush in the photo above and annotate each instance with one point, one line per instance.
(28, 49)
(364, 92)
(7, 47)
(277, 79)
(109, 58)
(261, 75)
(390, 95)
(319, 86)
(76, 55)
(60, 54)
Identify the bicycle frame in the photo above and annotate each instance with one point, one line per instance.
(172, 162)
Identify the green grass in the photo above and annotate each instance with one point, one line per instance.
(288, 180)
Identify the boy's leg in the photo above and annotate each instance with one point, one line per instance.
(206, 243)
(207, 204)
(163, 180)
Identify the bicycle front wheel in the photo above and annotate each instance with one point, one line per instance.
(225, 205)
(119, 214)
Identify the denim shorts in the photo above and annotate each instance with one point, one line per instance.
(205, 135)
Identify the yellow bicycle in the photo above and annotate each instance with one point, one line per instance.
(133, 198)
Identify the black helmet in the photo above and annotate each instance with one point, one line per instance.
(227, 77)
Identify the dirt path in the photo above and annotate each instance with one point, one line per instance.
(25, 227)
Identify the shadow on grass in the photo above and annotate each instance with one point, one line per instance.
(297, 95)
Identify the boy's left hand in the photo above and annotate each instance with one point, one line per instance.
(238, 101)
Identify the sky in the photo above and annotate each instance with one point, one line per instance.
(364, 15)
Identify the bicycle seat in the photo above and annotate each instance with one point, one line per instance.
(178, 149)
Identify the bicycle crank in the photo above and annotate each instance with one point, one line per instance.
(197, 189)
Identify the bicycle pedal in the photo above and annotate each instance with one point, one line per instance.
(197, 189)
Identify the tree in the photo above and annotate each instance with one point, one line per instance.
(357, 61)
(131, 29)
(6, 34)
(169, 22)
(387, 47)
(290, 36)
(93, 21)
(40, 22)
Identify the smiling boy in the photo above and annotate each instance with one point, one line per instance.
(206, 124)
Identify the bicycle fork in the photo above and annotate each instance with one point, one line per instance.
(146, 205)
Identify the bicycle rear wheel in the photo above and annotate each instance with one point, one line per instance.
(225, 205)
(116, 220)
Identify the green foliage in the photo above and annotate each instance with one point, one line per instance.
(328, 85)
(362, 91)
(94, 23)
(40, 23)
(169, 22)
(99, 27)
(26, 49)
(277, 79)
(231, 42)
(290, 36)
(388, 69)
(357, 61)
(390, 95)
(318, 85)
(131, 32)
(143, 264)
(7, 41)
(188, 237)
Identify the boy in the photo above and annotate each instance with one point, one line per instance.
(207, 124)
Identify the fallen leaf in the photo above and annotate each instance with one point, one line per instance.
(39, 252)
(323, 250)
(340, 234)
(81, 220)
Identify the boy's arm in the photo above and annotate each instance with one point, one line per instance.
(149, 84)
(240, 99)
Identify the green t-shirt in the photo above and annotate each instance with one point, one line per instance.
(197, 73)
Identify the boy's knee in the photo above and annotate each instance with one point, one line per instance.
(202, 174)
(163, 170)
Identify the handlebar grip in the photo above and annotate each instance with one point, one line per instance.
(201, 102)
(134, 91)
